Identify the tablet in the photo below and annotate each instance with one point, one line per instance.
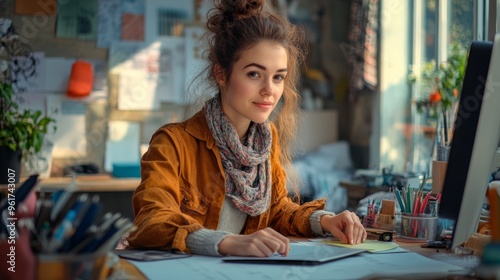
(302, 252)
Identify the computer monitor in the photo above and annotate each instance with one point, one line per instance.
(475, 141)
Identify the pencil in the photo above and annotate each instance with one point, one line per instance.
(494, 214)
(424, 203)
(401, 203)
(408, 200)
(416, 203)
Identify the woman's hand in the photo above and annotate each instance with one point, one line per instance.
(262, 243)
(345, 226)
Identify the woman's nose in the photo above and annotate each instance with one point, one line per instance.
(267, 88)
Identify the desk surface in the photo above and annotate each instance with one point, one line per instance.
(443, 255)
(464, 261)
(102, 183)
(89, 183)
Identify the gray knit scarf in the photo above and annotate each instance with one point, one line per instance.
(246, 165)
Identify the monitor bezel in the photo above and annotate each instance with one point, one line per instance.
(477, 126)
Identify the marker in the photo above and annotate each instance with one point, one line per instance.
(62, 232)
(401, 204)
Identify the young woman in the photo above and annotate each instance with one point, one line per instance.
(215, 184)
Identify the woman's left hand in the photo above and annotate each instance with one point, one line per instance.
(346, 226)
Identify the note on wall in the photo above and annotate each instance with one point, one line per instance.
(69, 139)
(36, 7)
(108, 22)
(120, 20)
(132, 27)
(141, 91)
(77, 19)
(123, 144)
(167, 17)
(149, 73)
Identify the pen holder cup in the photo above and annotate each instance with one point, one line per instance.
(63, 266)
(443, 153)
(418, 226)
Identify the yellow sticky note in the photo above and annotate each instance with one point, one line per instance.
(369, 245)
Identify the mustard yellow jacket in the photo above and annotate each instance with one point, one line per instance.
(183, 186)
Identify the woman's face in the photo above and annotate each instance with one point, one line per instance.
(255, 85)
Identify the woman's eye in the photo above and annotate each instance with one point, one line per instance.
(253, 75)
(279, 77)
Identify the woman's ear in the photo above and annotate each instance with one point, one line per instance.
(219, 75)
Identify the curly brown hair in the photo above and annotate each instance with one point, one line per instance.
(237, 25)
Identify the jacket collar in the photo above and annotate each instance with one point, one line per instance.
(197, 126)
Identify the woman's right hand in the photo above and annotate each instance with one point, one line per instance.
(262, 243)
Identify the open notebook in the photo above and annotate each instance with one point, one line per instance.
(312, 253)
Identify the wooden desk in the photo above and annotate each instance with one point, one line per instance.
(115, 193)
(442, 255)
(90, 183)
(465, 261)
(126, 270)
(86, 183)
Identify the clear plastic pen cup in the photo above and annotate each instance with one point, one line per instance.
(418, 226)
(443, 153)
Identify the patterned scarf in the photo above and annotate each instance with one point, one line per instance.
(247, 165)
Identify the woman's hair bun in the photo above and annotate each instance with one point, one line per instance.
(239, 8)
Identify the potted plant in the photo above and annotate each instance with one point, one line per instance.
(443, 83)
(21, 133)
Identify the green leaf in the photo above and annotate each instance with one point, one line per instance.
(24, 129)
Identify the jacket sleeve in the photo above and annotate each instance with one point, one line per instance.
(156, 201)
(286, 216)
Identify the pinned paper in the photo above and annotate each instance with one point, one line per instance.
(36, 7)
(123, 144)
(77, 19)
(149, 73)
(132, 27)
(108, 22)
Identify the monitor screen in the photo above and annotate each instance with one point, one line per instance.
(475, 141)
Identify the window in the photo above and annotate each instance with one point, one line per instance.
(408, 136)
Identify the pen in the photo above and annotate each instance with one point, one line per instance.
(61, 232)
(438, 197)
(424, 203)
(85, 225)
(44, 214)
(108, 220)
(80, 208)
(416, 204)
(122, 226)
(408, 200)
(400, 201)
(85, 240)
(62, 200)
